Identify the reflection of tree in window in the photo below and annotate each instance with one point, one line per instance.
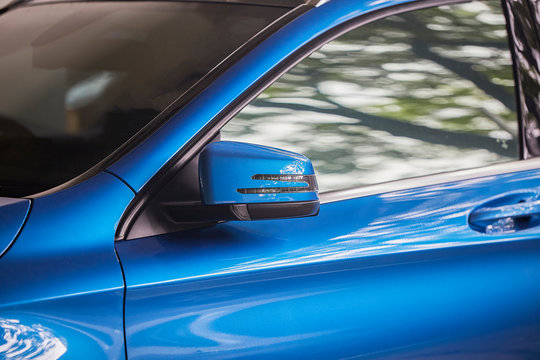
(405, 96)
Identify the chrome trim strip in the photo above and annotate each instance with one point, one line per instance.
(285, 177)
(276, 190)
(441, 178)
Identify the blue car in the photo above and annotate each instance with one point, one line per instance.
(265, 179)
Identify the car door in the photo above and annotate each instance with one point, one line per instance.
(439, 265)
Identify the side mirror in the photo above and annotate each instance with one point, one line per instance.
(242, 181)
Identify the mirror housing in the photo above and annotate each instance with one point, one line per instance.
(240, 181)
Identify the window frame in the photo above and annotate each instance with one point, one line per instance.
(209, 132)
(526, 105)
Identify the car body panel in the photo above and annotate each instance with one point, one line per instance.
(390, 274)
(379, 276)
(13, 213)
(62, 286)
(137, 167)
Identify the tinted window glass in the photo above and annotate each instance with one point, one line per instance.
(78, 79)
(423, 92)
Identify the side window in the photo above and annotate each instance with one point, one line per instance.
(413, 94)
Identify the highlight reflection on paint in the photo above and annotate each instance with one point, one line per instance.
(19, 341)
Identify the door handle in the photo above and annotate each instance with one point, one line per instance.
(510, 213)
(499, 212)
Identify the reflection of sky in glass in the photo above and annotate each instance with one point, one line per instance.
(19, 341)
(88, 90)
(414, 94)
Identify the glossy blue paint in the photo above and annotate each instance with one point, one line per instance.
(390, 275)
(62, 286)
(138, 166)
(399, 274)
(227, 166)
(13, 212)
(507, 214)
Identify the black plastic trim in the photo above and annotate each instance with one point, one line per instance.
(524, 37)
(283, 210)
(523, 153)
(204, 215)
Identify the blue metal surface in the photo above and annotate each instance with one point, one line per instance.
(391, 275)
(400, 274)
(13, 212)
(137, 167)
(510, 213)
(226, 166)
(61, 283)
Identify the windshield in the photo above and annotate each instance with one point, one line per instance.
(78, 79)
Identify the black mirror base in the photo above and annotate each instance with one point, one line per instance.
(196, 212)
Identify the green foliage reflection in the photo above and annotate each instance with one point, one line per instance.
(414, 94)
